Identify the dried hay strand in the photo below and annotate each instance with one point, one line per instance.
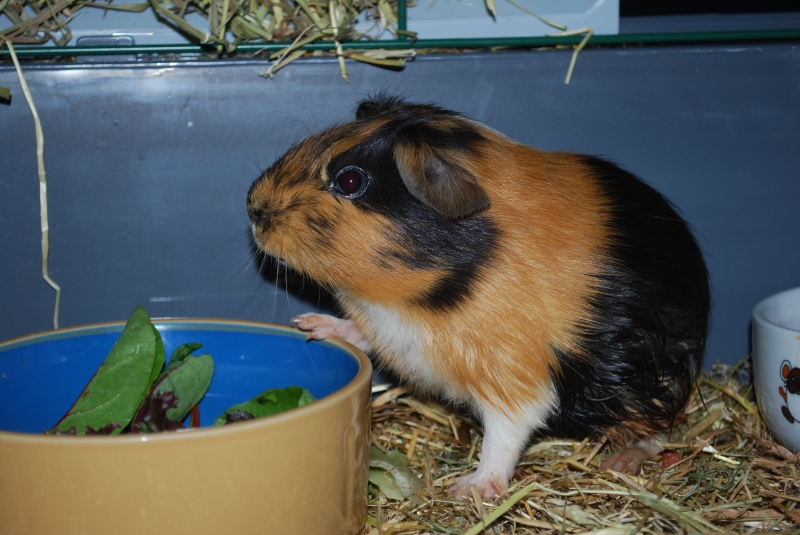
(230, 22)
(721, 472)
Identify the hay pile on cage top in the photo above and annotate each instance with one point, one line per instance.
(231, 22)
(720, 473)
(40, 21)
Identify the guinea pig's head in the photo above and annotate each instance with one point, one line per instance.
(387, 207)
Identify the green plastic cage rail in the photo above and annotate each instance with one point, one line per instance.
(404, 42)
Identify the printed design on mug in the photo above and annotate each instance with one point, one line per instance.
(790, 391)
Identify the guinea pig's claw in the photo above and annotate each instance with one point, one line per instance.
(300, 318)
(317, 326)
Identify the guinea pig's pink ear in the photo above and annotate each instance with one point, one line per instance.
(439, 178)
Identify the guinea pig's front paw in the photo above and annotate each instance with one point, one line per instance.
(487, 487)
(322, 327)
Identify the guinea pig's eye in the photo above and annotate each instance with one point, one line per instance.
(350, 182)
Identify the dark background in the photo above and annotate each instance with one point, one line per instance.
(149, 165)
(639, 8)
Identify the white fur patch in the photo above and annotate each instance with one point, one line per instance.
(400, 345)
(504, 436)
(397, 342)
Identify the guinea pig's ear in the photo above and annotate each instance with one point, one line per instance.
(379, 103)
(439, 177)
(366, 108)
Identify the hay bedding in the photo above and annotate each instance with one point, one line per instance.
(721, 473)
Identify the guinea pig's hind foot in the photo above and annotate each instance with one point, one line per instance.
(322, 327)
(487, 487)
(629, 460)
(504, 436)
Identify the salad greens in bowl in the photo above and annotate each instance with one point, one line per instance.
(183, 426)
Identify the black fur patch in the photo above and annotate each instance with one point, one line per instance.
(647, 336)
(427, 240)
(454, 136)
(437, 127)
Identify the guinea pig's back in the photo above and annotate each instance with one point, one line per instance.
(615, 289)
(645, 341)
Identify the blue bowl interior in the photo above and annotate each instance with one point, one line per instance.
(43, 375)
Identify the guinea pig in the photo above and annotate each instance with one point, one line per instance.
(545, 291)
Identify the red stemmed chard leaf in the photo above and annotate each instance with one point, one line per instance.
(179, 388)
(180, 354)
(120, 384)
(160, 356)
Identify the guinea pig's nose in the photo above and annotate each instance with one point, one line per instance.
(257, 215)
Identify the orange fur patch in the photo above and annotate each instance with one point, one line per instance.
(533, 296)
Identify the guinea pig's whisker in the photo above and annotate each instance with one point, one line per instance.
(319, 296)
(311, 358)
(277, 289)
(247, 262)
(280, 141)
(262, 265)
(286, 290)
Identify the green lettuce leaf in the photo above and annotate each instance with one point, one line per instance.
(270, 402)
(160, 355)
(181, 352)
(120, 384)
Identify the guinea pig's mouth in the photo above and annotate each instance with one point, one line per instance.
(260, 249)
(258, 230)
(258, 238)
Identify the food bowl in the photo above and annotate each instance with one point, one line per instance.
(303, 471)
(776, 365)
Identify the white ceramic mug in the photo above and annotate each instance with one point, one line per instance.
(776, 365)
